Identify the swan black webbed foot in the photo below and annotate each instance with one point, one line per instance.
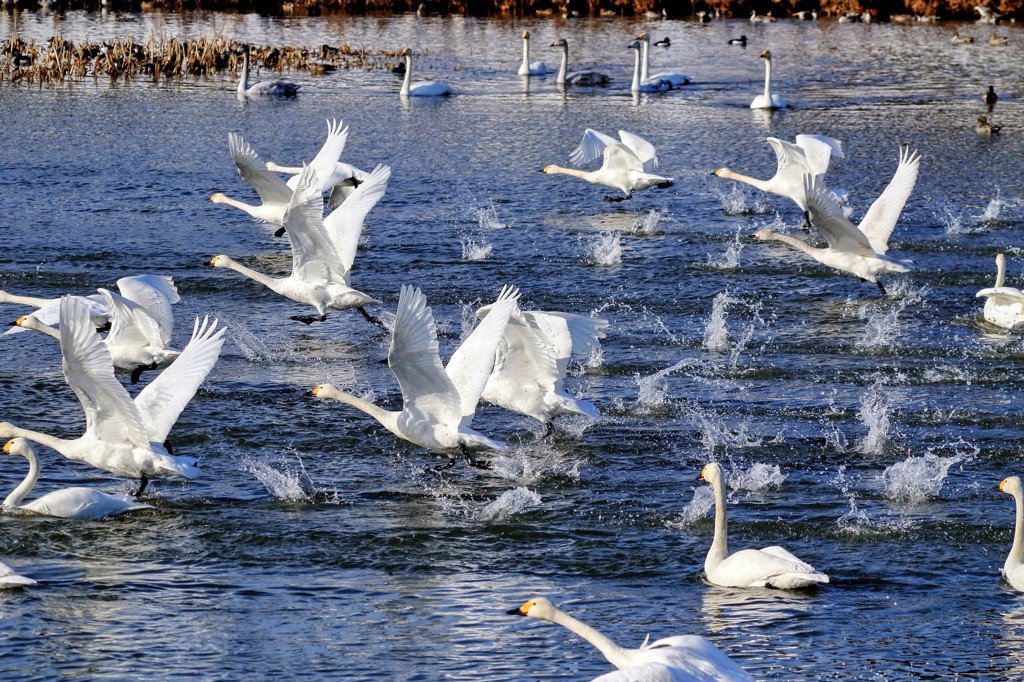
(279, 232)
(881, 287)
(307, 319)
(665, 185)
(609, 197)
(143, 482)
(371, 319)
(473, 461)
(137, 372)
(807, 218)
(443, 467)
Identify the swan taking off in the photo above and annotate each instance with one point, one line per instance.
(674, 79)
(532, 359)
(420, 88)
(1013, 568)
(340, 179)
(9, 579)
(274, 193)
(576, 77)
(810, 155)
(318, 278)
(527, 68)
(689, 658)
(768, 567)
(857, 250)
(438, 401)
(69, 503)
(767, 100)
(1004, 306)
(123, 436)
(626, 165)
(276, 88)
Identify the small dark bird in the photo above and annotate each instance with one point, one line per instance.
(990, 97)
(986, 128)
(742, 40)
(664, 42)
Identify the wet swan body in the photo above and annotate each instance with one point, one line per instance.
(1004, 306)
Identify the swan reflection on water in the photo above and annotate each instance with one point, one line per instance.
(1011, 639)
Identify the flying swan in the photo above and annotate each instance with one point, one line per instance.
(768, 100)
(1004, 306)
(277, 88)
(1013, 568)
(123, 436)
(626, 165)
(274, 193)
(527, 68)
(683, 658)
(438, 402)
(857, 250)
(768, 567)
(421, 88)
(68, 503)
(583, 78)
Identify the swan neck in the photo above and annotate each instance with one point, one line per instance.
(23, 300)
(720, 545)
(243, 80)
(795, 243)
(1000, 270)
(388, 419)
(615, 654)
(645, 61)
(407, 81)
(1017, 551)
(44, 439)
(248, 208)
(762, 185)
(564, 68)
(526, 53)
(768, 80)
(25, 487)
(265, 280)
(636, 72)
(574, 172)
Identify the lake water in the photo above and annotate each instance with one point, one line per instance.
(866, 435)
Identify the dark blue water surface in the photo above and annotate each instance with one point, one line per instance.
(864, 434)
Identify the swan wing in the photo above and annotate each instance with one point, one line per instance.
(643, 149)
(326, 160)
(525, 357)
(785, 555)
(819, 150)
(591, 147)
(130, 324)
(1004, 295)
(472, 362)
(791, 163)
(584, 332)
(345, 224)
(881, 218)
(8, 578)
(314, 258)
(110, 413)
(649, 672)
(828, 217)
(272, 189)
(428, 395)
(618, 158)
(162, 401)
(155, 293)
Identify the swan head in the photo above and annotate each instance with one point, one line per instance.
(765, 234)
(221, 261)
(560, 43)
(538, 607)
(324, 391)
(712, 473)
(635, 45)
(1010, 486)
(218, 198)
(17, 446)
(720, 171)
(526, 35)
(643, 36)
(766, 55)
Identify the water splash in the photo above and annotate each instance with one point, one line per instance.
(487, 218)
(653, 389)
(475, 249)
(717, 436)
(605, 249)
(539, 460)
(730, 259)
(285, 481)
(738, 201)
(758, 478)
(874, 414)
(917, 479)
(510, 503)
(702, 503)
(857, 522)
(953, 220)
(716, 332)
(645, 225)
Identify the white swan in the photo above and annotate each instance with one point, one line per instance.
(683, 658)
(583, 78)
(768, 567)
(675, 79)
(626, 165)
(641, 84)
(1013, 568)
(756, 18)
(10, 579)
(421, 88)
(438, 402)
(767, 100)
(273, 191)
(1004, 306)
(857, 250)
(68, 503)
(155, 293)
(276, 88)
(810, 155)
(527, 68)
(318, 276)
(532, 359)
(123, 436)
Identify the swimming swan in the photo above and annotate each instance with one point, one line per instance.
(273, 191)
(767, 100)
(576, 77)
(626, 165)
(683, 658)
(768, 567)
(1013, 568)
(532, 359)
(527, 68)
(68, 503)
(10, 579)
(438, 401)
(675, 79)
(318, 277)
(277, 88)
(811, 154)
(641, 84)
(123, 436)
(336, 177)
(1004, 306)
(421, 88)
(857, 250)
